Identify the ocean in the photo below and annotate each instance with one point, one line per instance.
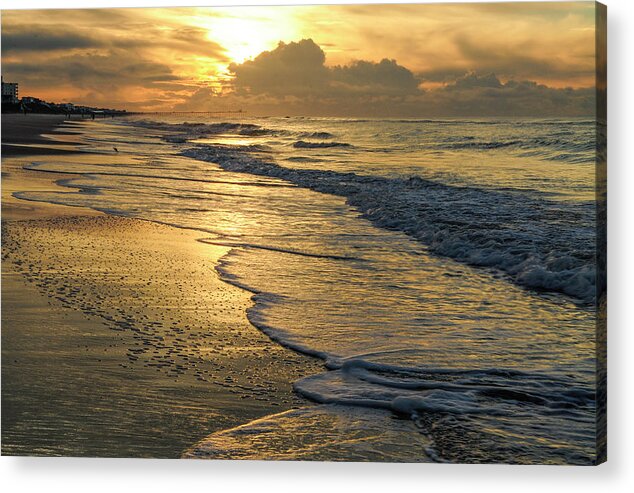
(442, 269)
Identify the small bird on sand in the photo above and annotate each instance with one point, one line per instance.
(115, 149)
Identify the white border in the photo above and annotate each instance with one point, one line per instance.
(114, 475)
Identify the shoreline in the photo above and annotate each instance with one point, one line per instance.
(25, 135)
(119, 338)
(22, 139)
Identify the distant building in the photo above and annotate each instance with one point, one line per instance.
(9, 92)
(31, 100)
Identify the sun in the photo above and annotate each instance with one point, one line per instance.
(242, 39)
(245, 36)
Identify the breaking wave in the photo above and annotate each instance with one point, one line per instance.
(536, 243)
(315, 135)
(187, 131)
(302, 144)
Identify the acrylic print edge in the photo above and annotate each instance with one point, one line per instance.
(601, 225)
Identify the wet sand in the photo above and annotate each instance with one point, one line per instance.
(22, 143)
(25, 135)
(118, 337)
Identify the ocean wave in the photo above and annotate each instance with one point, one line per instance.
(303, 159)
(488, 415)
(555, 148)
(494, 122)
(315, 135)
(454, 391)
(187, 131)
(536, 243)
(302, 144)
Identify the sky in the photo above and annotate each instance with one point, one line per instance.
(513, 59)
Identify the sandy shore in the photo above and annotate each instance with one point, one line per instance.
(26, 135)
(118, 337)
(22, 143)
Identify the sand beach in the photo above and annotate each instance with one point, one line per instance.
(118, 337)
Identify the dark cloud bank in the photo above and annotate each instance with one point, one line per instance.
(295, 79)
(43, 39)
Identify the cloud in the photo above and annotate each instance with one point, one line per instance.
(514, 60)
(551, 43)
(112, 79)
(25, 38)
(476, 94)
(473, 80)
(105, 57)
(179, 40)
(38, 37)
(293, 69)
(386, 77)
(87, 70)
(298, 70)
(294, 78)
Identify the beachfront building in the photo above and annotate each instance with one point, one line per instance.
(31, 100)
(10, 92)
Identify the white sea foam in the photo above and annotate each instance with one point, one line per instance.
(536, 242)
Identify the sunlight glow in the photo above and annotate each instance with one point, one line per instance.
(245, 37)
